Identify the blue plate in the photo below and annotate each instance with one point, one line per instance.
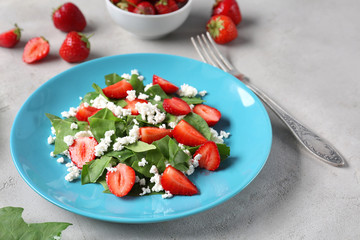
(243, 115)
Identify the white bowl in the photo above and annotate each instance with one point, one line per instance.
(148, 26)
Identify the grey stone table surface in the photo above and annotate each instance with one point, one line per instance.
(305, 54)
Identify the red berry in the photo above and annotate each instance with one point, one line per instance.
(151, 134)
(120, 180)
(210, 157)
(167, 86)
(68, 17)
(209, 114)
(84, 113)
(145, 8)
(177, 183)
(82, 150)
(176, 106)
(222, 29)
(188, 135)
(131, 105)
(36, 49)
(118, 90)
(166, 6)
(229, 8)
(75, 48)
(10, 38)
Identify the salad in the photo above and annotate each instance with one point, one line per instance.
(136, 139)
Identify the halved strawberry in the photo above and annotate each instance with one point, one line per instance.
(210, 157)
(117, 90)
(188, 135)
(84, 113)
(167, 86)
(177, 183)
(176, 106)
(82, 150)
(121, 180)
(151, 134)
(36, 49)
(209, 114)
(131, 105)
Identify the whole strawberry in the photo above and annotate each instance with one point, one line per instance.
(75, 48)
(68, 17)
(10, 38)
(229, 8)
(166, 6)
(222, 29)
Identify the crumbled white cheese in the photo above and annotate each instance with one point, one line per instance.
(150, 113)
(145, 191)
(187, 91)
(157, 98)
(60, 160)
(83, 134)
(156, 179)
(69, 140)
(74, 172)
(143, 162)
(141, 78)
(74, 126)
(104, 143)
(147, 86)
(162, 126)
(195, 160)
(134, 135)
(202, 93)
(153, 169)
(224, 134)
(53, 132)
(167, 194)
(131, 95)
(71, 113)
(143, 96)
(111, 169)
(52, 154)
(172, 124)
(126, 76)
(191, 106)
(51, 139)
(142, 182)
(134, 71)
(215, 136)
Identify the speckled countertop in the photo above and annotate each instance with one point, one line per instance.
(305, 54)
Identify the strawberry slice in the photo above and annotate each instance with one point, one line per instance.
(117, 90)
(131, 105)
(151, 134)
(177, 183)
(84, 113)
(188, 135)
(82, 150)
(210, 157)
(167, 86)
(36, 49)
(176, 106)
(209, 114)
(121, 180)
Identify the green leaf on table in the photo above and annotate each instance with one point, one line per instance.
(13, 227)
(112, 78)
(199, 123)
(63, 128)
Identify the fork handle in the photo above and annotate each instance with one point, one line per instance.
(312, 142)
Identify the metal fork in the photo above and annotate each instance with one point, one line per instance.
(209, 53)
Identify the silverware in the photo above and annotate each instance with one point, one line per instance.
(209, 53)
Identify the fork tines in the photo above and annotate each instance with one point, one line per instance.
(209, 53)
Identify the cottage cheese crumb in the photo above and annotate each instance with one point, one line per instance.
(148, 86)
(126, 76)
(142, 163)
(52, 154)
(131, 95)
(145, 191)
(224, 134)
(69, 140)
(71, 113)
(73, 174)
(74, 126)
(60, 160)
(105, 142)
(157, 98)
(51, 139)
(167, 194)
(143, 96)
(202, 93)
(187, 91)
